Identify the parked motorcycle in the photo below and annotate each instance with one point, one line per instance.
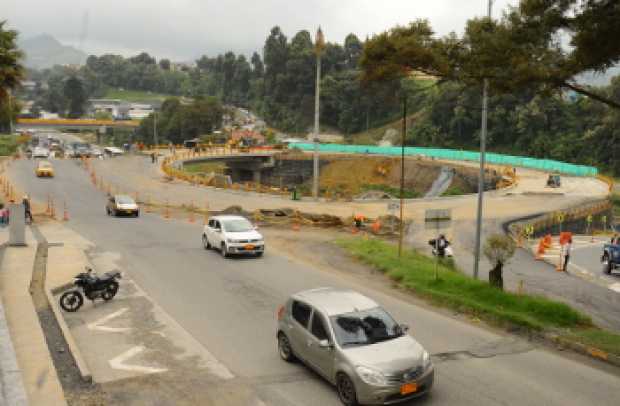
(92, 286)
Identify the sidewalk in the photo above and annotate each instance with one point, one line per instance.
(32, 354)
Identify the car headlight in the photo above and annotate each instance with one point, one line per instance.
(371, 376)
(426, 360)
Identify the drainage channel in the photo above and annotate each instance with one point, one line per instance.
(77, 392)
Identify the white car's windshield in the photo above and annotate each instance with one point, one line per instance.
(124, 200)
(365, 327)
(237, 226)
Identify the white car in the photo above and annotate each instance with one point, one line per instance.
(40, 152)
(232, 235)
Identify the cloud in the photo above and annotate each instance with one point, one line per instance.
(185, 29)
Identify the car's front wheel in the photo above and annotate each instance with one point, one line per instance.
(346, 390)
(205, 242)
(284, 348)
(224, 250)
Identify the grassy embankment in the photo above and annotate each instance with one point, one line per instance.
(10, 143)
(134, 95)
(416, 272)
(204, 167)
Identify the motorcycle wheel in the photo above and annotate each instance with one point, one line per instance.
(71, 301)
(110, 291)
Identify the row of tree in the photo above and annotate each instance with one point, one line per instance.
(177, 122)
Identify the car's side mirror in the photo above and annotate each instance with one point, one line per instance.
(325, 344)
(404, 328)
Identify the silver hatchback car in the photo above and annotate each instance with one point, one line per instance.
(354, 344)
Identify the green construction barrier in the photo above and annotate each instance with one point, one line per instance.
(548, 165)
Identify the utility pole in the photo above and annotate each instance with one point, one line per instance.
(155, 140)
(402, 176)
(483, 139)
(10, 112)
(319, 46)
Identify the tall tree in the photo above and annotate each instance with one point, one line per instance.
(11, 71)
(74, 93)
(353, 49)
(523, 49)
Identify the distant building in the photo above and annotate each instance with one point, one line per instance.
(139, 111)
(118, 109)
(28, 85)
(327, 138)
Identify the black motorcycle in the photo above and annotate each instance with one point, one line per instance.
(93, 286)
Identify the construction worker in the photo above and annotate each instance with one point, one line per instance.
(359, 219)
(566, 250)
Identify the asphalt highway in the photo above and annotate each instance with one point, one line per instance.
(229, 306)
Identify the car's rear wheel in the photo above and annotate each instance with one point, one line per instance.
(284, 348)
(205, 242)
(346, 390)
(224, 250)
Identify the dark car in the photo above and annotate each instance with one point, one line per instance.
(611, 257)
(554, 180)
(81, 150)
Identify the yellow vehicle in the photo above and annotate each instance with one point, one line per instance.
(44, 168)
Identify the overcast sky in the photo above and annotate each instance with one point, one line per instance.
(186, 29)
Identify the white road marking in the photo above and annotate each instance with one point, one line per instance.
(119, 362)
(97, 325)
(615, 287)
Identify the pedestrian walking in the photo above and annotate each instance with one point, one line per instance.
(152, 157)
(4, 215)
(566, 250)
(27, 210)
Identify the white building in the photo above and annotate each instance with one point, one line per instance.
(139, 111)
(119, 109)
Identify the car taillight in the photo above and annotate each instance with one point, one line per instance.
(280, 312)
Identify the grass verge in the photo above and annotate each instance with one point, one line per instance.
(8, 144)
(416, 272)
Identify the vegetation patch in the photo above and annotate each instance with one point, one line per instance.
(416, 272)
(134, 95)
(615, 200)
(204, 167)
(454, 191)
(451, 289)
(10, 143)
(597, 338)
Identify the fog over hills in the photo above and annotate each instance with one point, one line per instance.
(45, 51)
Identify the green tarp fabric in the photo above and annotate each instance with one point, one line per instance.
(454, 155)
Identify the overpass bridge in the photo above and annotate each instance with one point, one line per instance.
(74, 124)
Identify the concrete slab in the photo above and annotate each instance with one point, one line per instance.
(33, 357)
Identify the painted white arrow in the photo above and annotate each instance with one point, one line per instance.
(97, 325)
(119, 362)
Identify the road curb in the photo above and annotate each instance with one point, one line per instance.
(80, 362)
(588, 351)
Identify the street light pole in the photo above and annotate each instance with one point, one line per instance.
(402, 177)
(483, 137)
(155, 140)
(320, 44)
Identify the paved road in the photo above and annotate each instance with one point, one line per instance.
(229, 307)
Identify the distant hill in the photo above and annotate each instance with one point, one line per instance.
(44, 51)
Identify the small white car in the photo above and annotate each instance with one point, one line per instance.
(40, 152)
(232, 235)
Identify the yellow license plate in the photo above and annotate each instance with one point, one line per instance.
(249, 247)
(408, 388)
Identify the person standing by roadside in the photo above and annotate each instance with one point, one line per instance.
(27, 210)
(566, 250)
(4, 215)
